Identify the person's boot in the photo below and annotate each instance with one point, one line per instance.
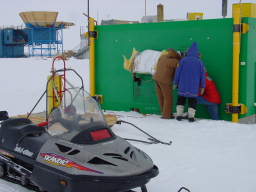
(191, 114)
(179, 111)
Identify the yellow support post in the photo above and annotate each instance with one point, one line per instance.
(92, 37)
(236, 58)
(246, 9)
(54, 92)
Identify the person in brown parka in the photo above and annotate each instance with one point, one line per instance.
(163, 76)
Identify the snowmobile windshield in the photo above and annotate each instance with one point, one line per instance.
(77, 112)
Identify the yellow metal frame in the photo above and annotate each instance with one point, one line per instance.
(239, 11)
(236, 60)
(246, 9)
(54, 92)
(92, 56)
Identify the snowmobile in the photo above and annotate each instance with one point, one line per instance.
(74, 150)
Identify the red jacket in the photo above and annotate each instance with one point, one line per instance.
(211, 92)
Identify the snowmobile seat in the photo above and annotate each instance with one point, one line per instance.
(14, 132)
(15, 122)
(21, 127)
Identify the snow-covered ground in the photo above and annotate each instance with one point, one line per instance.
(23, 81)
(205, 156)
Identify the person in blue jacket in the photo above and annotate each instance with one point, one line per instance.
(190, 81)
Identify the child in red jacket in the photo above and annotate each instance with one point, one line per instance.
(211, 98)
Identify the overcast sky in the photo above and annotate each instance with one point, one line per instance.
(71, 10)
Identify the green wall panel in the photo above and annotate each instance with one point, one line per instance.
(215, 39)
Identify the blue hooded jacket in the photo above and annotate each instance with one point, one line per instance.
(190, 75)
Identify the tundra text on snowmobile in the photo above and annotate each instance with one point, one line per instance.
(76, 152)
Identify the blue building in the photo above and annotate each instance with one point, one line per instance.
(42, 36)
(45, 34)
(12, 42)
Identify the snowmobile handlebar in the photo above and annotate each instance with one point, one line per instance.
(151, 138)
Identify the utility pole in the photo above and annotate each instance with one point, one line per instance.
(224, 8)
(88, 21)
(88, 11)
(145, 7)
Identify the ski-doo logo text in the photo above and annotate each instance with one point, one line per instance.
(58, 160)
(23, 151)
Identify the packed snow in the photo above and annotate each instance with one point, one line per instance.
(205, 156)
